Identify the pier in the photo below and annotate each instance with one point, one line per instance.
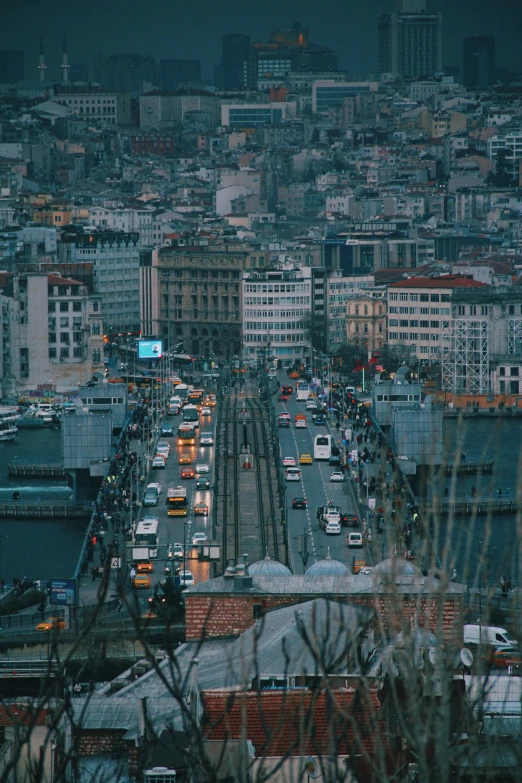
(470, 466)
(468, 505)
(41, 511)
(35, 470)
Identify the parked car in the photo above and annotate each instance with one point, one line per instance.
(298, 502)
(355, 539)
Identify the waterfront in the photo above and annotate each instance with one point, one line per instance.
(43, 548)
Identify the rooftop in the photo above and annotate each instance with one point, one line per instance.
(444, 281)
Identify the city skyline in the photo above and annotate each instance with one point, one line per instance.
(351, 32)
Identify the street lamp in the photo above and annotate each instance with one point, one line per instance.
(186, 525)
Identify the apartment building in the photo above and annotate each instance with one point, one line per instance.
(366, 319)
(419, 312)
(340, 291)
(277, 306)
(106, 107)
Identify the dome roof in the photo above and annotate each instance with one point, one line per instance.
(327, 567)
(396, 566)
(268, 567)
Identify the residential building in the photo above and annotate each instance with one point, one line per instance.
(126, 219)
(277, 305)
(419, 313)
(46, 332)
(479, 61)
(410, 41)
(366, 319)
(510, 141)
(93, 104)
(329, 93)
(115, 256)
(341, 290)
(192, 295)
(159, 108)
(250, 115)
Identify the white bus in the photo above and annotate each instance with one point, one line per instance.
(146, 535)
(302, 390)
(323, 446)
(191, 415)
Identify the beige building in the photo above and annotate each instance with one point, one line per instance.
(107, 107)
(366, 320)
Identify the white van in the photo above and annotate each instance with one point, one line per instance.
(491, 635)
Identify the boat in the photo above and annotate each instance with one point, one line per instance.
(34, 418)
(9, 418)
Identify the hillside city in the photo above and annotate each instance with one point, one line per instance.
(270, 326)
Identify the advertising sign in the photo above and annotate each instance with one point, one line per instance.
(63, 592)
(150, 349)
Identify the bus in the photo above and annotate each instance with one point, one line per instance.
(182, 390)
(195, 397)
(186, 436)
(322, 446)
(191, 414)
(146, 535)
(302, 390)
(177, 501)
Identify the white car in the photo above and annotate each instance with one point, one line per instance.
(289, 462)
(202, 467)
(158, 462)
(337, 475)
(310, 404)
(186, 579)
(293, 474)
(205, 411)
(355, 539)
(206, 439)
(177, 550)
(199, 538)
(366, 571)
(333, 528)
(155, 485)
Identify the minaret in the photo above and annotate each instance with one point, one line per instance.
(65, 61)
(42, 66)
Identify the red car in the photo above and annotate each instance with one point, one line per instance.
(188, 473)
(287, 389)
(283, 398)
(504, 659)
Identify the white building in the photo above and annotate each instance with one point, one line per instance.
(124, 219)
(106, 107)
(340, 290)
(511, 142)
(277, 306)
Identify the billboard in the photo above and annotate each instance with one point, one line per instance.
(63, 592)
(150, 349)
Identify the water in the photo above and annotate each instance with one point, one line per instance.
(39, 548)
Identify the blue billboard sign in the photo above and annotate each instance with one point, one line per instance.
(63, 592)
(150, 349)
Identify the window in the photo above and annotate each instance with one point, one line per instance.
(424, 324)
(434, 324)
(96, 357)
(513, 371)
(403, 297)
(403, 310)
(425, 311)
(51, 307)
(52, 353)
(424, 297)
(434, 298)
(502, 387)
(64, 353)
(424, 337)
(414, 310)
(434, 310)
(394, 321)
(64, 323)
(394, 297)
(77, 307)
(414, 297)
(513, 387)
(77, 337)
(501, 370)
(472, 310)
(64, 307)
(461, 310)
(95, 307)
(414, 323)
(403, 323)
(484, 309)
(64, 337)
(95, 328)
(52, 337)
(257, 611)
(445, 297)
(511, 309)
(77, 352)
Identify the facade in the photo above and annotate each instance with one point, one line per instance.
(126, 72)
(419, 313)
(329, 93)
(510, 141)
(46, 333)
(161, 108)
(115, 256)
(340, 290)
(366, 320)
(410, 42)
(192, 295)
(277, 306)
(250, 115)
(479, 61)
(96, 105)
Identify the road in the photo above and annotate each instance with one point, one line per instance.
(316, 487)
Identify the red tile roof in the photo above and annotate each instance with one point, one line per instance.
(444, 281)
(57, 280)
(296, 722)
(11, 714)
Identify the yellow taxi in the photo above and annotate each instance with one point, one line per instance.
(185, 459)
(141, 581)
(51, 623)
(146, 567)
(305, 459)
(210, 402)
(294, 374)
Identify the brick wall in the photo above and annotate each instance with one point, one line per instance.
(91, 742)
(230, 615)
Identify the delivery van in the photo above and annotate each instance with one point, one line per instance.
(491, 635)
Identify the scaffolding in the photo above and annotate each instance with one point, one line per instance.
(465, 364)
(515, 336)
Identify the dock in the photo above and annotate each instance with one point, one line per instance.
(482, 464)
(35, 470)
(41, 511)
(469, 505)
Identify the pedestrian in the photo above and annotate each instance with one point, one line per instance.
(454, 575)
(132, 573)
(120, 603)
(77, 690)
(473, 491)
(94, 573)
(499, 492)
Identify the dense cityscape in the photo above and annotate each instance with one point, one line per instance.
(260, 389)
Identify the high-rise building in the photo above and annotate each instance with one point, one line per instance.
(11, 67)
(177, 73)
(479, 61)
(410, 41)
(234, 59)
(126, 72)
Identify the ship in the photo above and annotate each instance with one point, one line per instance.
(9, 418)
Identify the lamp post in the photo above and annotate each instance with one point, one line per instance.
(186, 525)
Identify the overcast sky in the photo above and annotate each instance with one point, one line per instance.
(193, 28)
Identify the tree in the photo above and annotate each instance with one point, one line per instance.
(501, 177)
(353, 353)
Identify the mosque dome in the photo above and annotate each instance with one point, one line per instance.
(268, 567)
(328, 567)
(396, 566)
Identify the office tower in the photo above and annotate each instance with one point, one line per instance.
(234, 60)
(479, 61)
(410, 41)
(175, 73)
(65, 61)
(126, 72)
(11, 67)
(41, 64)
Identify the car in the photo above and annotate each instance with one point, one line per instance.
(174, 410)
(52, 623)
(293, 474)
(206, 411)
(288, 462)
(201, 509)
(141, 581)
(283, 398)
(358, 566)
(163, 447)
(337, 475)
(158, 462)
(202, 467)
(300, 422)
(293, 374)
(145, 567)
(177, 550)
(150, 498)
(305, 459)
(355, 539)
(365, 571)
(186, 579)
(506, 658)
(167, 432)
(319, 419)
(332, 528)
(298, 502)
(188, 473)
(155, 485)
(199, 538)
(310, 404)
(203, 483)
(335, 460)
(349, 520)
(286, 389)
(206, 439)
(185, 459)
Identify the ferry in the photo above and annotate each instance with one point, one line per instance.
(9, 417)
